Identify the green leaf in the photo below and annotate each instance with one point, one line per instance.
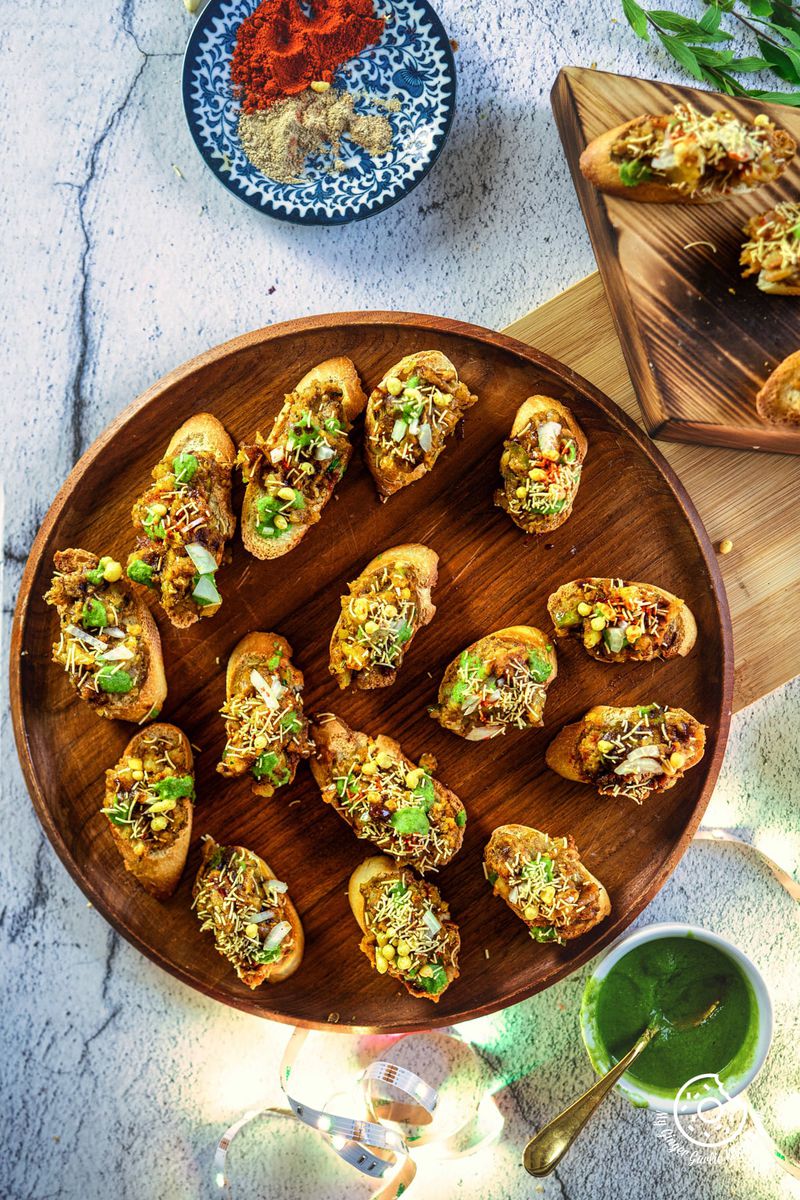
(748, 65)
(759, 8)
(686, 27)
(681, 52)
(636, 18)
(791, 98)
(779, 60)
(711, 18)
(713, 58)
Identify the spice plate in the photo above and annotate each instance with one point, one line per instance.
(412, 63)
(631, 519)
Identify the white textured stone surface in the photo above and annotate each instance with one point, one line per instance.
(117, 1079)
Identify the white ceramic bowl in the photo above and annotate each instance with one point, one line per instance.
(728, 1086)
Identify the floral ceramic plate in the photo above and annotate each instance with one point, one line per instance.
(412, 63)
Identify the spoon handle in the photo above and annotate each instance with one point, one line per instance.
(547, 1147)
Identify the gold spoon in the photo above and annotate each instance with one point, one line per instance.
(547, 1147)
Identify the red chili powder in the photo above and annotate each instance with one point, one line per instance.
(279, 51)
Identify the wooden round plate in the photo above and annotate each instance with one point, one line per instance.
(632, 519)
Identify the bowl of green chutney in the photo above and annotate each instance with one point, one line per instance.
(667, 973)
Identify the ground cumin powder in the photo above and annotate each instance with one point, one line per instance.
(280, 138)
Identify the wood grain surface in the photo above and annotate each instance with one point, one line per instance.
(699, 340)
(747, 497)
(631, 519)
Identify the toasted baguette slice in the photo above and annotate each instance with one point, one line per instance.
(693, 180)
(385, 797)
(410, 415)
(779, 399)
(642, 622)
(628, 752)
(241, 879)
(541, 465)
(154, 855)
(82, 645)
(431, 962)
(497, 683)
(770, 252)
(379, 589)
(330, 392)
(264, 701)
(198, 515)
(542, 880)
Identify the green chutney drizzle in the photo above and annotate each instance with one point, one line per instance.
(670, 978)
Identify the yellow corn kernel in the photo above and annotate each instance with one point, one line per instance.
(584, 609)
(413, 778)
(403, 948)
(761, 119)
(521, 493)
(598, 624)
(370, 627)
(381, 965)
(280, 522)
(604, 747)
(405, 593)
(134, 630)
(547, 894)
(381, 938)
(158, 823)
(389, 951)
(390, 610)
(537, 474)
(384, 759)
(403, 963)
(426, 971)
(725, 546)
(137, 775)
(677, 760)
(286, 493)
(135, 764)
(531, 912)
(251, 930)
(369, 767)
(260, 741)
(319, 85)
(394, 386)
(633, 633)
(592, 637)
(112, 572)
(138, 849)
(373, 797)
(360, 609)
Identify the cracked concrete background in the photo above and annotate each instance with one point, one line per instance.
(117, 1080)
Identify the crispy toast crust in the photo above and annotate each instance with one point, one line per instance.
(158, 872)
(683, 622)
(340, 372)
(530, 412)
(774, 402)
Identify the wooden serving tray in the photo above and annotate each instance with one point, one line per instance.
(632, 518)
(698, 339)
(747, 497)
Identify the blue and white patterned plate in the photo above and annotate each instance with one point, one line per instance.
(413, 62)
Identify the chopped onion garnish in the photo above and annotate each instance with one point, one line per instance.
(117, 654)
(115, 632)
(548, 434)
(276, 454)
(399, 430)
(324, 452)
(641, 766)
(425, 438)
(432, 922)
(205, 562)
(513, 895)
(269, 692)
(276, 885)
(276, 935)
(82, 636)
(262, 916)
(649, 751)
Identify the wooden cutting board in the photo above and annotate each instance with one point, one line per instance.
(699, 340)
(749, 497)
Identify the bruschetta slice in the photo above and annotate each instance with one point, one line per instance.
(406, 925)
(184, 521)
(267, 732)
(779, 399)
(772, 251)
(497, 683)
(628, 752)
(385, 606)
(622, 622)
(108, 642)
(410, 415)
(541, 465)
(385, 797)
(687, 156)
(148, 802)
(239, 899)
(292, 472)
(544, 882)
